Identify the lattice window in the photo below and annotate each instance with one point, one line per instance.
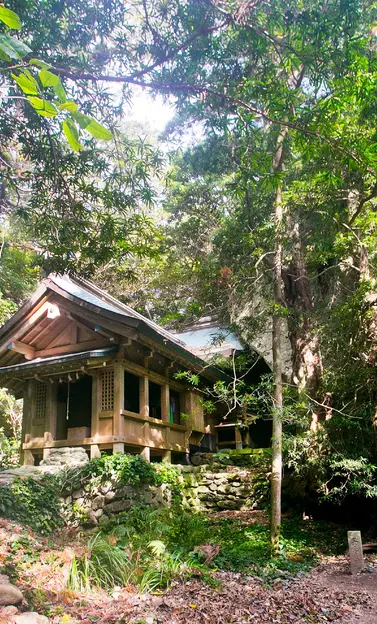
(107, 402)
(41, 400)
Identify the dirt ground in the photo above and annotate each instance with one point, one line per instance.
(335, 575)
(327, 594)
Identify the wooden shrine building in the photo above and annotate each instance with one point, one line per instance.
(94, 373)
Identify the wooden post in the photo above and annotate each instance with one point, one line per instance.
(118, 447)
(46, 453)
(165, 403)
(238, 438)
(26, 421)
(146, 453)
(96, 406)
(32, 409)
(94, 451)
(166, 457)
(51, 413)
(28, 458)
(144, 396)
(118, 427)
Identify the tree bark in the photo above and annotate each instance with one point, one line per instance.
(277, 430)
(307, 366)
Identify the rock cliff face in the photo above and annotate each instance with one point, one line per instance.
(258, 335)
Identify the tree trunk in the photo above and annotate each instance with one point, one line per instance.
(306, 355)
(277, 431)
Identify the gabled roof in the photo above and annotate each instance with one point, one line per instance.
(97, 302)
(207, 338)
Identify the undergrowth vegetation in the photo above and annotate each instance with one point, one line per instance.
(38, 504)
(150, 548)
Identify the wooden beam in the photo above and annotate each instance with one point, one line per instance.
(169, 369)
(141, 371)
(149, 353)
(41, 331)
(80, 346)
(26, 324)
(21, 347)
(62, 333)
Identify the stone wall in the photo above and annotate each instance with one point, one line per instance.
(216, 481)
(214, 486)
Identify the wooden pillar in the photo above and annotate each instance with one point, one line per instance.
(118, 428)
(146, 453)
(166, 457)
(32, 397)
(94, 451)
(144, 396)
(51, 413)
(26, 421)
(118, 447)
(28, 459)
(46, 453)
(165, 403)
(238, 438)
(96, 405)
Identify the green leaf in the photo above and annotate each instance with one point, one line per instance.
(19, 47)
(10, 18)
(60, 92)
(94, 127)
(82, 120)
(69, 105)
(39, 63)
(48, 79)
(99, 131)
(27, 83)
(43, 107)
(72, 136)
(8, 51)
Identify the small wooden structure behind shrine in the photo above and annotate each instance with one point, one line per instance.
(95, 373)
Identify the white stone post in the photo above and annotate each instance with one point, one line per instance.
(356, 551)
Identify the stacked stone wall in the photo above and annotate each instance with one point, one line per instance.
(214, 486)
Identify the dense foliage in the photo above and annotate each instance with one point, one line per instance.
(243, 75)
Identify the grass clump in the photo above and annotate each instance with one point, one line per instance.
(102, 565)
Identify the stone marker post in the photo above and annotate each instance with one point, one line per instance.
(355, 551)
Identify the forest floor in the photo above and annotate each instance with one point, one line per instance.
(326, 593)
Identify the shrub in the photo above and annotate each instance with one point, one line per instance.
(31, 502)
(9, 451)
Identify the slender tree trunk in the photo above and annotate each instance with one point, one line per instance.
(277, 430)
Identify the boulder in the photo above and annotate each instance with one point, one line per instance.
(8, 611)
(30, 618)
(98, 502)
(90, 518)
(9, 594)
(119, 505)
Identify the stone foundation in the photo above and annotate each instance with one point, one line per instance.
(202, 488)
